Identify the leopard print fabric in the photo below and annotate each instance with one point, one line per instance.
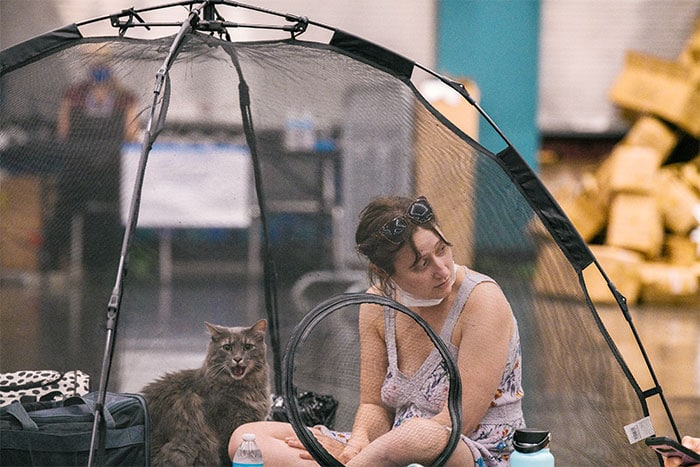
(42, 385)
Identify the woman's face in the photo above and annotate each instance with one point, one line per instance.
(430, 275)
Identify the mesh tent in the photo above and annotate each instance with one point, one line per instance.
(286, 205)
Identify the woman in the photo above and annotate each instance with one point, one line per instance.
(402, 417)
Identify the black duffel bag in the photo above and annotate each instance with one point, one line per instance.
(59, 432)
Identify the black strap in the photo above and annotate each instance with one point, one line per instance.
(270, 278)
(18, 411)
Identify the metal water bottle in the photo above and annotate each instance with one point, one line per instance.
(248, 453)
(531, 449)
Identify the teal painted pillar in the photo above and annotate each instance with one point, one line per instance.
(496, 43)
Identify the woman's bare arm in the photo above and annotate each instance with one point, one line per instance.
(372, 418)
(483, 334)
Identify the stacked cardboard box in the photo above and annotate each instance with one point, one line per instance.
(20, 223)
(639, 212)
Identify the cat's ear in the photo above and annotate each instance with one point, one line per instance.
(214, 330)
(260, 326)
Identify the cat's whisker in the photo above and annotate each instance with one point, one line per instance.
(218, 369)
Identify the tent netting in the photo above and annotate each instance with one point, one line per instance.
(373, 134)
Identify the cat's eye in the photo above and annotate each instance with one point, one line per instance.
(227, 347)
(248, 347)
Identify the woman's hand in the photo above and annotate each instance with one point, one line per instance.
(335, 448)
(688, 441)
(293, 442)
(348, 453)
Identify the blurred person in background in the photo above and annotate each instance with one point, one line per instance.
(95, 118)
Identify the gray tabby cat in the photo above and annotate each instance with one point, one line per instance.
(193, 412)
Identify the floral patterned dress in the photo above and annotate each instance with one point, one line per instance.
(425, 393)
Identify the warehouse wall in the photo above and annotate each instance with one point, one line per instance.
(496, 44)
(582, 49)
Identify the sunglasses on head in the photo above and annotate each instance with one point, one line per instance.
(419, 212)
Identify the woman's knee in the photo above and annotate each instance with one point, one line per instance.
(263, 431)
(258, 428)
(251, 427)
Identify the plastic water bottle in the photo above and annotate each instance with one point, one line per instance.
(531, 449)
(248, 453)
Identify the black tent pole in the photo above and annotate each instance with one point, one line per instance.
(117, 292)
(269, 271)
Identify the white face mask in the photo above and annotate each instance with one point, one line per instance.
(408, 300)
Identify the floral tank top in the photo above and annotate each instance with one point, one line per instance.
(425, 393)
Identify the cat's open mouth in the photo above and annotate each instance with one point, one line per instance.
(238, 371)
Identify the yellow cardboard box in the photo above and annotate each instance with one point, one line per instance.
(629, 169)
(649, 131)
(437, 180)
(622, 268)
(690, 174)
(584, 206)
(563, 283)
(680, 250)
(667, 283)
(635, 223)
(20, 222)
(690, 56)
(664, 88)
(677, 202)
